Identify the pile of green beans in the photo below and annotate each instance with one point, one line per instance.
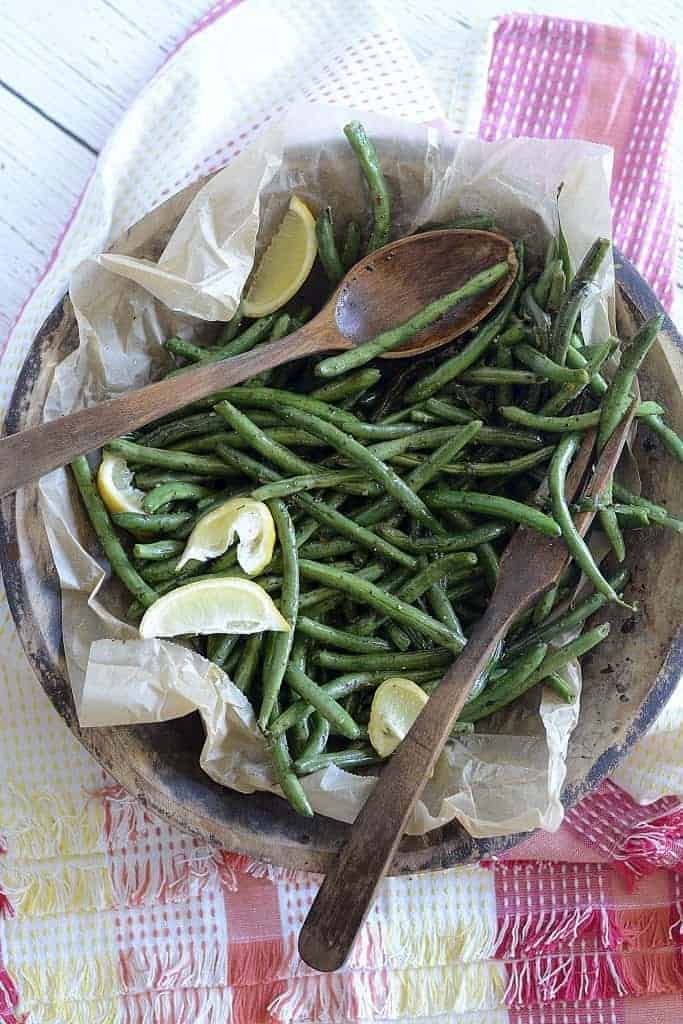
(393, 490)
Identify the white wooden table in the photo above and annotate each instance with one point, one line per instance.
(69, 70)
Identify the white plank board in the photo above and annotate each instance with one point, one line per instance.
(42, 172)
(80, 63)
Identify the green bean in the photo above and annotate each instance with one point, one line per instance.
(280, 644)
(356, 757)
(354, 384)
(631, 517)
(558, 287)
(496, 506)
(338, 638)
(219, 646)
(368, 593)
(351, 248)
(494, 375)
(164, 494)
(617, 399)
(167, 569)
(244, 673)
(555, 682)
(564, 424)
(185, 462)
(377, 186)
(424, 472)
(474, 350)
(309, 482)
(264, 445)
(541, 288)
(150, 478)
(581, 287)
(287, 780)
(323, 512)
(158, 549)
(508, 687)
(281, 328)
(545, 605)
(338, 688)
(256, 332)
(111, 545)
(151, 526)
(317, 739)
(299, 735)
(568, 392)
(281, 435)
(560, 657)
(504, 390)
(231, 328)
(327, 706)
(610, 524)
(378, 470)
(439, 569)
(325, 550)
(395, 336)
(578, 548)
(509, 468)
(544, 366)
(460, 542)
(276, 399)
(499, 437)
(184, 349)
(672, 441)
(577, 359)
(393, 661)
(657, 513)
(327, 247)
(443, 609)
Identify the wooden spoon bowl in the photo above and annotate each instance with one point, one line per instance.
(408, 274)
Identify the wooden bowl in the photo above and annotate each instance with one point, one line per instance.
(627, 680)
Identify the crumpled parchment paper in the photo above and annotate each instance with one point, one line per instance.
(504, 781)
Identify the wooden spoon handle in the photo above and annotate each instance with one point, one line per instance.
(32, 453)
(349, 888)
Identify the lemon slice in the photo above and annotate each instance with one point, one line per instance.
(115, 484)
(285, 264)
(395, 706)
(245, 518)
(213, 606)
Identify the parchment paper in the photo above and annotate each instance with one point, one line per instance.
(504, 781)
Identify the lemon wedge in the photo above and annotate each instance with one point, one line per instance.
(285, 264)
(115, 484)
(395, 706)
(213, 606)
(214, 533)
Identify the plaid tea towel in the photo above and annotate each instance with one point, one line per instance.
(109, 915)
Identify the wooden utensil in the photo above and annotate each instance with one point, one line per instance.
(381, 291)
(530, 565)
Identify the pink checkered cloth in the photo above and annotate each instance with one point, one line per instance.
(581, 927)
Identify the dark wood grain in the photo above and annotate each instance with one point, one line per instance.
(531, 563)
(421, 268)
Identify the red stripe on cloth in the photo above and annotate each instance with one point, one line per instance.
(637, 838)
(9, 1000)
(256, 947)
(551, 78)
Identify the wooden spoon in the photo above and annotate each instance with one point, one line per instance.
(381, 291)
(530, 565)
